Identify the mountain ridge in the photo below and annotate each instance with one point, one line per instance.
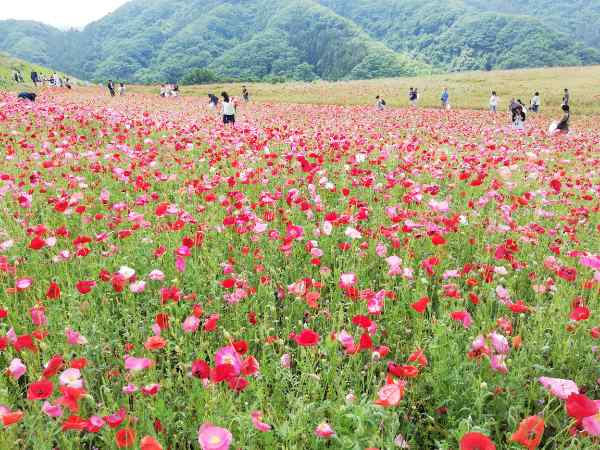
(163, 40)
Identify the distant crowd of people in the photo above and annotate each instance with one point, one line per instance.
(112, 90)
(54, 80)
(169, 90)
(516, 108)
(40, 79)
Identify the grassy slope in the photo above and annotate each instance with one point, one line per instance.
(467, 90)
(8, 64)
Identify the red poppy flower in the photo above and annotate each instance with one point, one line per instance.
(211, 323)
(55, 364)
(308, 338)
(580, 406)
(155, 343)
(240, 346)
(40, 390)
(200, 369)
(37, 243)
(437, 239)
(402, 371)
(85, 286)
(75, 423)
(149, 443)
(476, 441)
(125, 438)
(421, 305)
(53, 292)
(11, 418)
(530, 432)
(580, 313)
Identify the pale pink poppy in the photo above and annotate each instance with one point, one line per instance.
(558, 387)
(191, 324)
(71, 378)
(134, 364)
(16, 368)
(52, 410)
(258, 423)
(156, 275)
(211, 437)
(347, 280)
(138, 287)
(23, 283)
(499, 342)
(74, 338)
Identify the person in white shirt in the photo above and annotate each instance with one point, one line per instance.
(228, 109)
(493, 102)
(536, 102)
(380, 104)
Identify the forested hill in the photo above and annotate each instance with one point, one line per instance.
(164, 40)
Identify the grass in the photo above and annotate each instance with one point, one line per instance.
(468, 90)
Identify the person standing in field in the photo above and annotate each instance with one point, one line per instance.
(111, 88)
(34, 77)
(412, 97)
(121, 89)
(445, 98)
(228, 109)
(380, 103)
(519, 114)
(563, 125)
(213, 101)
(245, 94)
(536, 103)
(566, 98)
(494, 102)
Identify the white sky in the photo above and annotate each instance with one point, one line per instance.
(60, 13)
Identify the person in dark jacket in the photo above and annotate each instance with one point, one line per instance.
(34, 78)
(27, 96)
(563, 124)
(111, 88)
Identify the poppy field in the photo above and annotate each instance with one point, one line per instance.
(318, 277)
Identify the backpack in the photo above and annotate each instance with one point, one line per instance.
(383, 102)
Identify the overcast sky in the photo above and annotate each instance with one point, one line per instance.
(60, 13)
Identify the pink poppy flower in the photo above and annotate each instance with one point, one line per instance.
(156, 275)
(592, 262)
(134, 364)
(211, 437)
(347, 280)
(558, 387)
(23, 283)
(228, 356)
(71, 378)
(462, 316)
(258, 423)
(16, 368)
(324, 430)
(74, 338)
(191, 324)
(138, 287)
(499, 342)
(52, 410)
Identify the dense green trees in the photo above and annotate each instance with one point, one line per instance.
(175, 40)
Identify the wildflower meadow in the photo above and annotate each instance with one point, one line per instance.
(316, 277)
